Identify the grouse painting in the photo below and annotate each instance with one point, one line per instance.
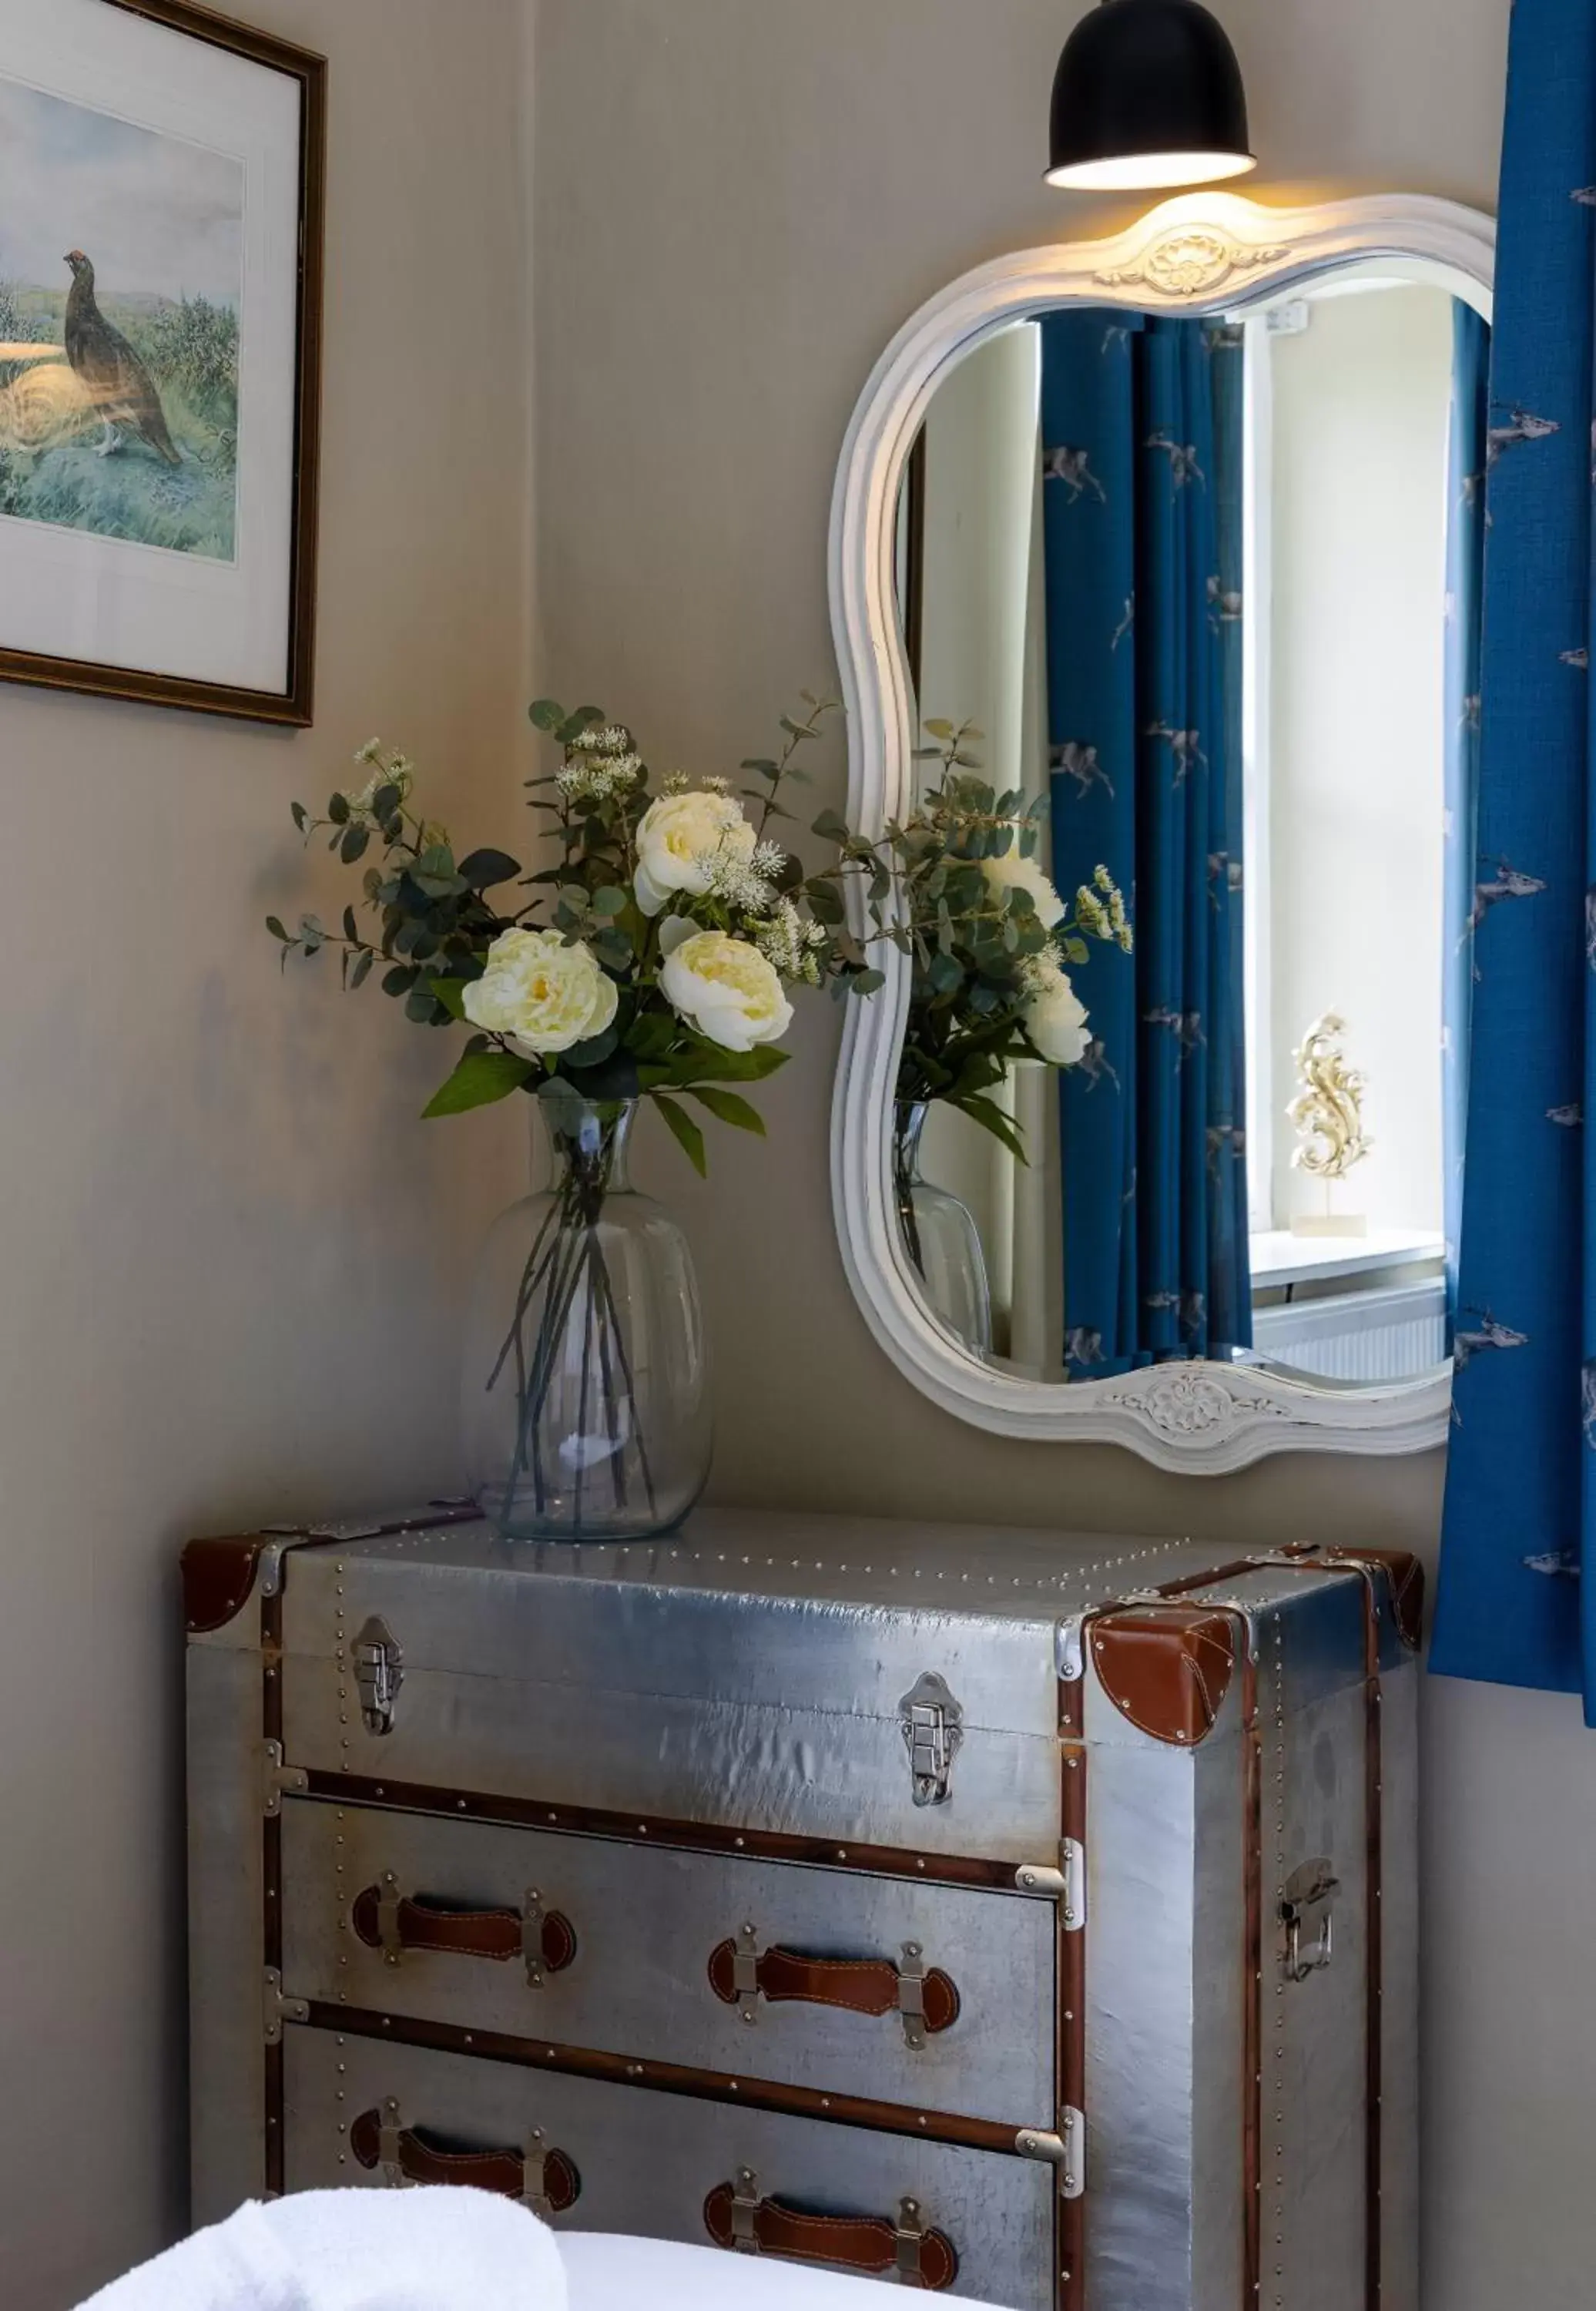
(116, 381)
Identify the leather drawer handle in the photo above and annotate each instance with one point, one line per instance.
(736, 2215)
(545, 2180)
(741, 1973)
(394, 1922)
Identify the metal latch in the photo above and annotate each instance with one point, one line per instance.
(532, 1919)
(389, 2154)
(1066, 2150)
(745, 1972)
(388, 1918)
(378, 1673)
(912, 1996)
(745, 2211)
(1306, 1913)
(276, 1777)
(933, 1728)
(275, 2010)
(911, 2240)
(535, 2175)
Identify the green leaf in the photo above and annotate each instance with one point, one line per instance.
(867, 982)
(688, 1136)
(1077, 951)
(451, 994)
(483, 868)
(301, 815)
(338, 810)
(614, 1077)
(480, 1078)
(546, 715)
(351, 928)
(831, 826)
(993, 1119)
(277, 931)
(940, 730)
(584, 719)
(400, 980)
(708, 1064)
(353, 845)
(593, 1052)
(610, 900)
(360, 969)
(727, 1108)
(762, 764)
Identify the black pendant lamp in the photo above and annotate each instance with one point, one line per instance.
(1147, 93)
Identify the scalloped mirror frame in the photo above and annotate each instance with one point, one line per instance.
(1203, 253)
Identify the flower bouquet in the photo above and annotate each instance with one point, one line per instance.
(648, 962)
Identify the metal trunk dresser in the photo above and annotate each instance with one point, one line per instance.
(1011, 1915)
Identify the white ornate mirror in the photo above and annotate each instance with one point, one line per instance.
(1158, 555)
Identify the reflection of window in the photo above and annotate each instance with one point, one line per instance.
(1349, 396)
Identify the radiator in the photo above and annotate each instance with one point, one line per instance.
(1390, 1334)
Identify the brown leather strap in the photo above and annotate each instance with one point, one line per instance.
(867, 2243)
(425, 1924)
(503, 2172)
(863, 1986)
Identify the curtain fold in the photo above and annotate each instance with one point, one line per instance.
(1519, 1490)
(1141, 421)
(1465, 576)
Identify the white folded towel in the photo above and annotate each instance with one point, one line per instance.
(418, 2250)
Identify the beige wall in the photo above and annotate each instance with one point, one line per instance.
(232, 1258)
(736, 203)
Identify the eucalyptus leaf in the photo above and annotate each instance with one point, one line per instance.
(546, 715)
(483, 868)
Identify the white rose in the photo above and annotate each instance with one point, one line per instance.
(726, 988)
(1013, 873)
(544, 995)
(1055, 1023)
(675, 834)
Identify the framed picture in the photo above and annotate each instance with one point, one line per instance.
(161, 178)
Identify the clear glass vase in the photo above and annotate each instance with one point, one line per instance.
(940, 1237)
(586, 1385)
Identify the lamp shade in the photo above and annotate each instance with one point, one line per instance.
(1149, 93)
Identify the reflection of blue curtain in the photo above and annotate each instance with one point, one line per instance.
(1520, 1508)
(1465, 571)
(1141, 421)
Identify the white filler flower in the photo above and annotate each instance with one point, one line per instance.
(1013, 873)
(726, 988)
(544, 995)
(679, 837)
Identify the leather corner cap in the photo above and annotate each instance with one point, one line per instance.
(218, 1577)
(1167, 1671)
(1407, 1576)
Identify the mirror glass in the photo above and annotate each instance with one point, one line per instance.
(1190, 608)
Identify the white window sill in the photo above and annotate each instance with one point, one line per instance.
(1280, 1259)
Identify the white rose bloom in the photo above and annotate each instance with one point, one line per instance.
(677, 838)
(544, 995)
(726, 988)
(1056, 1022)
(1013, 873)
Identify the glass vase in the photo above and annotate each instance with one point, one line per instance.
(585, 1394)
(940, 1237)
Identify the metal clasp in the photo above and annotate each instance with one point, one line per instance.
(911, 2239)
(933, 1730)
(1066, 2150)
(388, 1919)
(745, 1972)
(534, 2175)
(389, 2154)
(1306, 1911)
(745, 2211)
(912, 1996)
(275, 2010)
(378, 1673)
(532, 1918)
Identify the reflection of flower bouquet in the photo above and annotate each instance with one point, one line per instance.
(957, 888)
(649, 962)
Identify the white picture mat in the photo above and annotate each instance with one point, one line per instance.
(71, 594)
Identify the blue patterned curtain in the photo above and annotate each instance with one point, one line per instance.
(1519, 1491)
(1141, 422)
(1465, 574)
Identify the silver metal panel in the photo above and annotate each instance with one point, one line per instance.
(646, 1921)
(647, 2161)
(227, 2059)
(1398, 2133)
(1315, 2043)
(1165, 1938)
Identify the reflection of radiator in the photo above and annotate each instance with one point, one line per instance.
(1390, 1334)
